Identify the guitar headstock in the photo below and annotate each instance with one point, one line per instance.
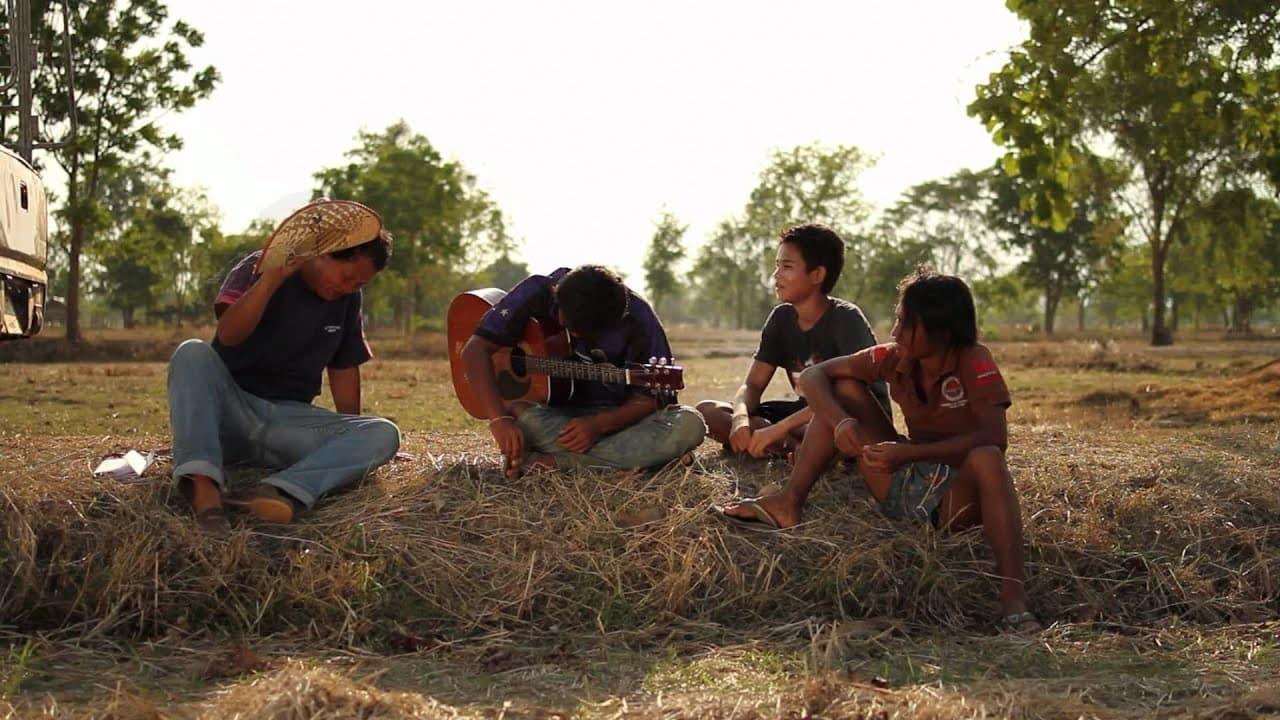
(657, 374)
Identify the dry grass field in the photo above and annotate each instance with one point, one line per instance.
(1150, 486)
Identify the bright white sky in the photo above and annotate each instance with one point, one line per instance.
(584, 118)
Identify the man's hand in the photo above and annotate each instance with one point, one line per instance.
(764, 439)
(580, 434)
(885, 457)
(275, 277)
(509, 437)
(846, 438)
(740, 439)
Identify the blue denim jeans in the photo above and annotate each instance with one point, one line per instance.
(214, 423)
(664, 435)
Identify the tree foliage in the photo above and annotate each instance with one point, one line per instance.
(1062, 262)
(443, 224)
(131, 68)
(808, 183)
(1232, 253)
(1183, 92)
(666, 251)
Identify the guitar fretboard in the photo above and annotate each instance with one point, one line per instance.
(576, 370)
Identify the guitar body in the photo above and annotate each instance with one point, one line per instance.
(514, 382)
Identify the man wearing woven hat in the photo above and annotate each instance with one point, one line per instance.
(246, 396)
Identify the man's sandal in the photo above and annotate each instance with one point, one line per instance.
(266, 503)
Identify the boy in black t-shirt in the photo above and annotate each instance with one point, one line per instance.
(247, 395)
(808, 327)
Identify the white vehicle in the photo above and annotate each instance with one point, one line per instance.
(24, 236)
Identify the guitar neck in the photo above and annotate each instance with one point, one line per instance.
(576, 370)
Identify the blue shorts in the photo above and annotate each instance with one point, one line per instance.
(916, 490)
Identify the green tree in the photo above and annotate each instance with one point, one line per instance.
(666, 250)
(505, 273)
(806, 184)
(441, 221)
(950, 218)
(1124, 290)
(1180, 91)
(131, 69)
(216, 254)
(885, 262)
(1235, 241)
(726, 285)
(1061, 263)
(145, 255)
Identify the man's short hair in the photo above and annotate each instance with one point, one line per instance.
(820, 246)
(592, 299)
(378, 250)
(941, 304)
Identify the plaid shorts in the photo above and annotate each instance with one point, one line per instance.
(916, 490)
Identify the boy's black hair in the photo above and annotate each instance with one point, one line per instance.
(592, 299)
(820, 246)
(378, 250)
(942, 304)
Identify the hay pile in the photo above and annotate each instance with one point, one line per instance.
(444, 548)
(1253, 395)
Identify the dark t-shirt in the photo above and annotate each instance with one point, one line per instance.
(637, 338)
(842, 330)
(300, 334)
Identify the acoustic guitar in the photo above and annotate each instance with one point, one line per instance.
(540, 369)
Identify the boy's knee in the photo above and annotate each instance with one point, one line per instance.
(706, 407)
(984, 459)
(384, 439)
(687, 429)
(191, 351)
(848, 390)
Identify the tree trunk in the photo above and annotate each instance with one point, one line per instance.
(126, 317)
(1160, 333)
(74, 335)
(1080, 313)
(1174, 306)
(1051, 296)
(407, 305)
(1241, 315)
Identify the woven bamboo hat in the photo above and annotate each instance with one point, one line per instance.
(319, 228)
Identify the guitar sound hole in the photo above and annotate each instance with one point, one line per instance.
(510, 387)
(512, 383)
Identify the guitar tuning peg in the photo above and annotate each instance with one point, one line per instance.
(652, 360)
(662, 361)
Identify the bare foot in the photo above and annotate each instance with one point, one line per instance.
(784, 510)
(536, 461)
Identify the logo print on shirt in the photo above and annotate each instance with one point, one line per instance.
(953, 393)
(331, 329)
